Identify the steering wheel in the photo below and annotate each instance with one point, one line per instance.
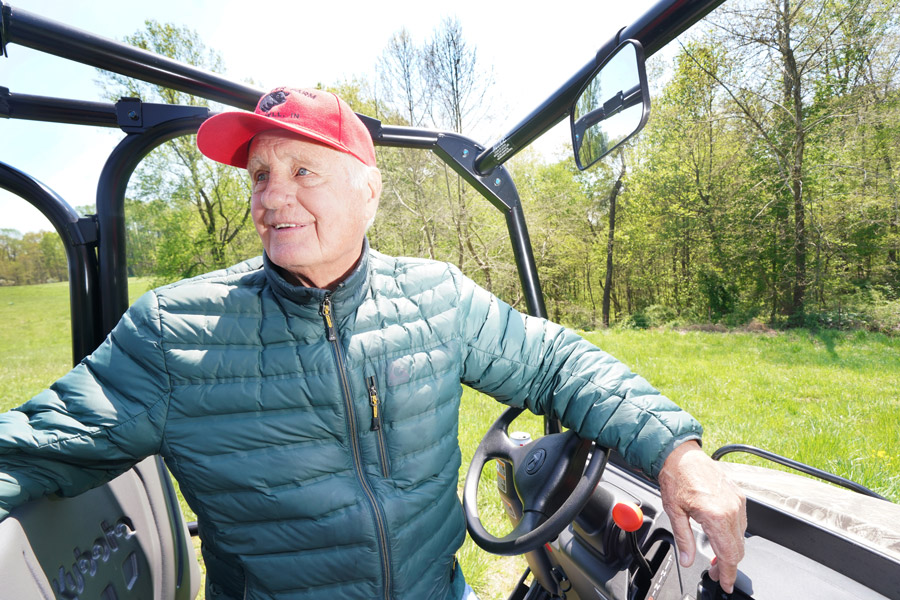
(549, 477)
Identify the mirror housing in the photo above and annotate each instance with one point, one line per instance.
(613, 105)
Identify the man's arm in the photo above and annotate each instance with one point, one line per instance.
(529, 362)
(524, 361)
(93, 423)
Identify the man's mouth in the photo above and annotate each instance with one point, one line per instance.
(285, 225)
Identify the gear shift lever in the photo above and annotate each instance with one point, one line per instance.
(629, 517)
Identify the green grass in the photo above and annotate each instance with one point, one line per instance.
(829, 399)
(36, 337)
(492, 577)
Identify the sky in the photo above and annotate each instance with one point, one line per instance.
(299, 43)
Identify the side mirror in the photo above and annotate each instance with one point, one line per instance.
(612, 107)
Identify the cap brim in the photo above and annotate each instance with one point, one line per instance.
(226, 137)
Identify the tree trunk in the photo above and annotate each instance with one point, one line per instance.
(607, 286)
(792, 97)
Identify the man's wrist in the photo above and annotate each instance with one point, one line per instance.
(677, 454)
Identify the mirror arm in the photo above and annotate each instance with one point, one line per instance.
(553, 110)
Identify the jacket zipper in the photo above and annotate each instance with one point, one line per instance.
(331, 333)
(377, 411)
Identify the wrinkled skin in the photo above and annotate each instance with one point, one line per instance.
(311, 205)
(694, 487)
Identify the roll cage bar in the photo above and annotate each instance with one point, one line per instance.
(95, 245)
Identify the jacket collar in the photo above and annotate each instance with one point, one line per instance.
(346, 298)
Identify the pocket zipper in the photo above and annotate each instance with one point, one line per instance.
(373, 402)
(377, 411)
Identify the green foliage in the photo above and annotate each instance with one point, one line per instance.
(867, 309)
(717, 224)
(185, 214)
(712, 220)
(31, 258)
(568, 235)
(655, 315)
(721, 295)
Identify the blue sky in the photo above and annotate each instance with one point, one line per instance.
(532, 52)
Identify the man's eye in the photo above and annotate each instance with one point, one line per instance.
(260, 177)
(301, 172)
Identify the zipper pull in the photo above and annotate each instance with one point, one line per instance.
(325, 311)
(373, 401)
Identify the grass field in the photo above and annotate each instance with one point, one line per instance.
(829, 399)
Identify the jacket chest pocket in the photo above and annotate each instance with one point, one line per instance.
(415, 432)
(378, 421)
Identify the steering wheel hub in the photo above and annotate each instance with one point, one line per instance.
(535, 461)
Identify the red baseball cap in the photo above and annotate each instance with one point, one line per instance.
(314, 114)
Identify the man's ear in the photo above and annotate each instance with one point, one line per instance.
(374, 187)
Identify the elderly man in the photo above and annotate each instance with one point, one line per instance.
(307, 401)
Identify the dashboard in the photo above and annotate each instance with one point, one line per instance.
(785, 556)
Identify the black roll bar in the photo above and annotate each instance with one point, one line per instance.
(173, 121)
(56, 110)
(79, 236)
(665, 21)
(36, 32)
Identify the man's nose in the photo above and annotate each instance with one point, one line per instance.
(277, 193)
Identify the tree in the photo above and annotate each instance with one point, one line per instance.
(401, 69)
(206, 222)
(455, 80)
(457, 87)
(441, 84)
(690, 189)
(10, 255)
(406, 170)
(35, 257)
(791, 51)
(859, 153)
(612, 198)
(54, 265)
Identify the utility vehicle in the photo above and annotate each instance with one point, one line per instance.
(805, 539)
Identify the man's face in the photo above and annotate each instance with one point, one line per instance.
(310, 205)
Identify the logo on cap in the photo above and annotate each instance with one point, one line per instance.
(272, 100)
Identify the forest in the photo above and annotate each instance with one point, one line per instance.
(764, 189)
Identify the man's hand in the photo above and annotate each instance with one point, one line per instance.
(693, 486)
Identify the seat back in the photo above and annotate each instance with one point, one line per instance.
(124, 540)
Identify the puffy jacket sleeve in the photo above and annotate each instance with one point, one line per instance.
(533, 363)
(93, 423)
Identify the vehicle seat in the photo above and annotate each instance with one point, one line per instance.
(124, 540)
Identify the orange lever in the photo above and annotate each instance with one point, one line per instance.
(628, 516)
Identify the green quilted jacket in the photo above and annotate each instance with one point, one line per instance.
(315, 433)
